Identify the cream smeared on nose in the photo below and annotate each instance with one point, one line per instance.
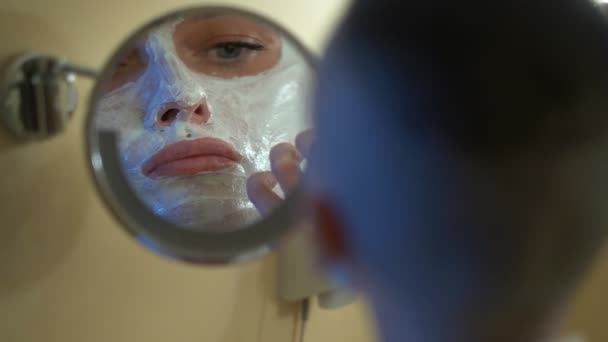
(171, 89)
(197, 114)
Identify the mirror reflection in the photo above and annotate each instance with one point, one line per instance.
(198, 103)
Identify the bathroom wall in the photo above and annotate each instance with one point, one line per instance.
(68, 273)
(588, 311)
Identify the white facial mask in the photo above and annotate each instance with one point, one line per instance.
(251, 113)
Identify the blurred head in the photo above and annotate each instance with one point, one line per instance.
(460, 161)
(198, 104)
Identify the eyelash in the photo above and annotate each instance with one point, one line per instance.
(246, 45)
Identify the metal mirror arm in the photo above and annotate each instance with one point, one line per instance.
(38, 94)
(80, 70)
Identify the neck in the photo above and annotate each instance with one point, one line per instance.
(399, 321)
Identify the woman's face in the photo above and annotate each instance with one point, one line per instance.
(198, 105)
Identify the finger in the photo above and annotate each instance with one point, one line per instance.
(285, 165)
(259, 190)
(304, 142)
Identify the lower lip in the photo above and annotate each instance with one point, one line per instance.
(192, 166)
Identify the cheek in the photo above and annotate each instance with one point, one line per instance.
(123, 115)
(117, 118)
(276, 113)
(118, 110)
(137, 145)
(229, 111)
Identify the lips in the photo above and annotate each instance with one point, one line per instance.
(190, 157)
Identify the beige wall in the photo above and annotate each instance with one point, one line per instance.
(351, 323)
(588, 316)
(68, 273)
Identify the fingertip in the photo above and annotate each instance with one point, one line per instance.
(259, 191)
(259, 181)
(304, 142)
(283, 151)
(285, 166)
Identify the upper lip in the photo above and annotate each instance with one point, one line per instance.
(188, 149)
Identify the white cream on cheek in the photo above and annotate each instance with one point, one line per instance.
(252, 113)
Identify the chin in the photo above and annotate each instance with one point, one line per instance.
(228, 214)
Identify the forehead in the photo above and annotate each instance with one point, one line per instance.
(222, 25)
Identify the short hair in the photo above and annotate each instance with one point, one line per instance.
(531, 64)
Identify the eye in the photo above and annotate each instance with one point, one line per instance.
(133, 58)
(128, 68)
(234, 50)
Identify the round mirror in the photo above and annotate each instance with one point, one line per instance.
(182, 116)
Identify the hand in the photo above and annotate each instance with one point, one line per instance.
(285, 161)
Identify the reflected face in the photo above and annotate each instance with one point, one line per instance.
(198, 105)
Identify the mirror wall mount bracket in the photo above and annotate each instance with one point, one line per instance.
(38, 94)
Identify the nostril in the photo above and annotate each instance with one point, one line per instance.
(170, 112)
(168, 116)
(200, 113)
(199, 110)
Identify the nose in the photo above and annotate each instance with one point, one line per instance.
(197, 114)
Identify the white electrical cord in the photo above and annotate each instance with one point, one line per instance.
(304, 317)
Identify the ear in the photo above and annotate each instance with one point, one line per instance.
(331, 233)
